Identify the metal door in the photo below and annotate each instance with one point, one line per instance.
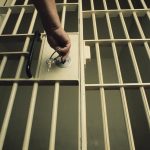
(104, 106)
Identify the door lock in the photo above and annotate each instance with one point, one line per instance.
(58, 61)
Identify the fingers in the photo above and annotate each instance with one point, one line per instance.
(60, 42)
(62, 51)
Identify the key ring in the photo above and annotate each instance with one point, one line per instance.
(55, 59)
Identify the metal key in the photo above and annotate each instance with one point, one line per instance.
(49, 63)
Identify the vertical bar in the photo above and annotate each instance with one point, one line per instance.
(30, 117)
(123, 96)
(79, 119)
(14, 87)
(100, 75)
(56, 97)
(63, 14)
(2, 65)
(83, 126)
(54, 118)
(79, 90)
(144, 98)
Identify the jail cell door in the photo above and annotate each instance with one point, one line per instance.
(98, 99)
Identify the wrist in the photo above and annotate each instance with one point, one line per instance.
(52, 29)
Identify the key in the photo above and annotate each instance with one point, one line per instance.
(49, 63)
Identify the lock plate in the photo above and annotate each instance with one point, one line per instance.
(69, 71)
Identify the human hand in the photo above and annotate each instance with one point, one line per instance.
(59, 41)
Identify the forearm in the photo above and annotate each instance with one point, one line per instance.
(48, 12)
(56, 36)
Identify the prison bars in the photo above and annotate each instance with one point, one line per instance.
(129, 42)
(100, 76)
(32, 105)
(4, 60)
(122, 85)
(84, 141)
(56, 97)
(15, 85)
(30, 117)
(54, 111)
(145, 7)
(123, 96)
(82, 104)
(144, 98)
(140, 29)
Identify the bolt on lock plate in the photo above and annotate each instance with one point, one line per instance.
(54, 69)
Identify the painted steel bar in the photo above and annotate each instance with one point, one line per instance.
(117, 86)
(9, 81)
(56, 96)
(13, 53)
(34, 92)
(100, 76)
(122, 91)
(118, 41)
(83, 123)
(137, 72)
(137, 40)
(113, 12)
(79, 118)
(2, 65)
(54, 118)
(40, 57)
(29, 8)
(18, 35)
(14, 87)
(30, 117)
(63, 14)
(140, 29)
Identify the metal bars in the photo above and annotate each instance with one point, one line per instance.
(56, 97)
(15, 85)
(82, 98)
(136, 68)
(123, 96)
(94, 14)
(100, 75)
(98, 41)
